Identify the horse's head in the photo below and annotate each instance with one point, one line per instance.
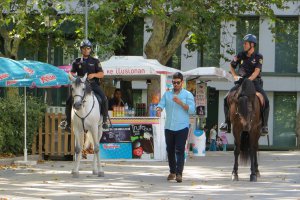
(243, 100)
(80, 88)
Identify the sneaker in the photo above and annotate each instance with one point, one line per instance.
(171, 177)
(264, 131)
(179, 178)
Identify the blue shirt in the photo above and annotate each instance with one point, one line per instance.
(176, 117)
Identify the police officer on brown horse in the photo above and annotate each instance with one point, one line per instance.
(249, 65)
(91, 66)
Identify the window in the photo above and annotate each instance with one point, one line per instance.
(209, 50)
(244, 26)
(286, 45)
(285, 111)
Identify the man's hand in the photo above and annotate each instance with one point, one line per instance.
(91, 76)
(177, 100)
(158, 112)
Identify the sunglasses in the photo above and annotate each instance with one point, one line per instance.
(176, 82)
(86, 48)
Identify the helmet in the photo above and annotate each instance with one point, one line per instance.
(250, 38)
(85, 43)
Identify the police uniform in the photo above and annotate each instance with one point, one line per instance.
(246, 66)
(82, 66)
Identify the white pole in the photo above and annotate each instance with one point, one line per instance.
(86, 20)
(25, 126)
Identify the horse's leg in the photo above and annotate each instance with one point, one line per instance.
(78, 153)
(97, 168)
(235, 176)
(256, 165)
(253, 177)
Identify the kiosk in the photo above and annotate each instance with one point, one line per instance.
(137, 134)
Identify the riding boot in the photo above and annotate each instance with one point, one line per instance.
(66, 124)
(104, 111)
(265, 118)
(226, 126)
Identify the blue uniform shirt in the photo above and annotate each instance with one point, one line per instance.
(176, 117)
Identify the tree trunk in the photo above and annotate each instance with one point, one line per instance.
(158, 46)
(11, 45)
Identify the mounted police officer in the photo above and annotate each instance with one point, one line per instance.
(249, 65)
(91, 66)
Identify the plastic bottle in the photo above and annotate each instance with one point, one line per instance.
(126, 109)
(151, 110)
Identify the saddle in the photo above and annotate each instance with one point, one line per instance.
(258, 95)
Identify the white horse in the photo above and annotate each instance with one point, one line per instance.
(86, 119)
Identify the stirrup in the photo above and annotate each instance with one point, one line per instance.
(63, 124)
(264, 131)
(224, 127)
(105, 125)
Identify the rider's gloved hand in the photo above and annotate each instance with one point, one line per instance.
(238, 80)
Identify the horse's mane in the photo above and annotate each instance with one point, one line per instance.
(246, 93)
(88, 88)
(247, 88)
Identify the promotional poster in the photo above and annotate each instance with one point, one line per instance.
(142, 141)
(125, 142)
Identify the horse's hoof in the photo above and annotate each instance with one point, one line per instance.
(75, 174)
(253, 178)
(234, 177)
(100, 174)
(95, 172)
(258, 174)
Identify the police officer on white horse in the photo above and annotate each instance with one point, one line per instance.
(249, 65)
(91, 66)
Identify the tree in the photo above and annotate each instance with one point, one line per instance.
(174, 20)
(21, 20)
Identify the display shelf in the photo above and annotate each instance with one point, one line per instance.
(134, 120)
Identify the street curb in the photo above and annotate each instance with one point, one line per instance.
(18, 160)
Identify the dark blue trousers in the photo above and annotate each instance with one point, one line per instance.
(176, 141)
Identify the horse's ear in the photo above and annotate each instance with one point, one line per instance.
(84, 78)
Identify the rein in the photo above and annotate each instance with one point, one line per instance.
(83, 101)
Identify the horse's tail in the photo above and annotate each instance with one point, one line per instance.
(245, 145)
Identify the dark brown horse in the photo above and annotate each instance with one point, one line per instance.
(245, 116)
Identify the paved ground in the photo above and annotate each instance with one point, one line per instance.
(204, 178)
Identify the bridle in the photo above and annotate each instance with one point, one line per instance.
(83, 100)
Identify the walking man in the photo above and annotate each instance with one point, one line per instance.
(178, 103)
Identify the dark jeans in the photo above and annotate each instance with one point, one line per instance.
(103, 107)
(176, 141)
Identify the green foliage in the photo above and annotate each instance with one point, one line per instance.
(32, 21)
(12, 122)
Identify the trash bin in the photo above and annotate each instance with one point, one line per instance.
(199, 139)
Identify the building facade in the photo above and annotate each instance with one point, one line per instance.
(281, 69)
